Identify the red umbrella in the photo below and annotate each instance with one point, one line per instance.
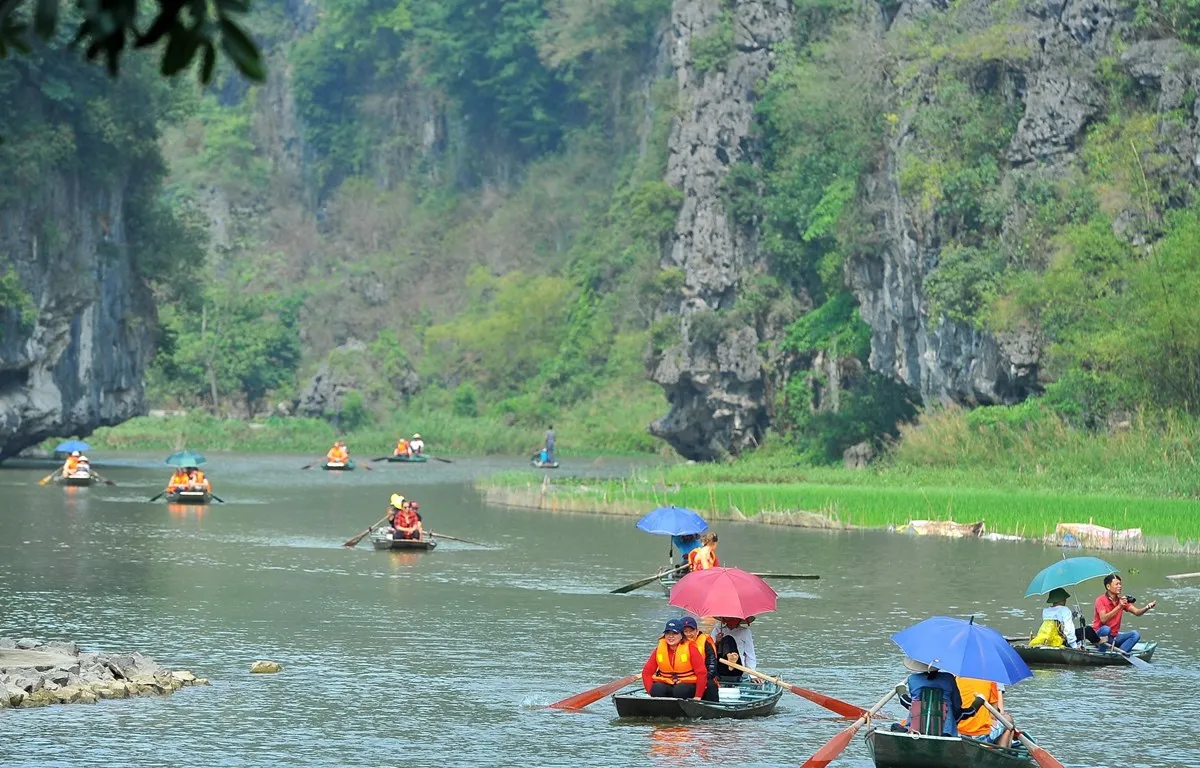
(723, 592)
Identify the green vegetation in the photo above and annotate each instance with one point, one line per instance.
(16, 302)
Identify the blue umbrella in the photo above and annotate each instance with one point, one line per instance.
(66, 446)
(185, 459)
(672, 521)
(963, 648)
(1064, 573)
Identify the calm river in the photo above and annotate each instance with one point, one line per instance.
(442, 659)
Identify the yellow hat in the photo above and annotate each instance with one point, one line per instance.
(397, 500)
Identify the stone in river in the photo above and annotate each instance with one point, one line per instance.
(265, 667)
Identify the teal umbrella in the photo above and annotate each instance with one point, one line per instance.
(1066, 572)
(186, 459)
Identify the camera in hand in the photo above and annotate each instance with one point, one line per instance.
(1131, 599)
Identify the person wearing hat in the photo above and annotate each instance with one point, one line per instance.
(734, 642)
(417, 444)
(705, 646)
(932, 698)
(1058, 622)
(404, 519)
(676, 667)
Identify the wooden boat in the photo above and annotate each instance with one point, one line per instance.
(339, 466)
(82, 479)
(189, 497)
(738, 701)
(417, 459)
(1087, 656)
(545, 464)
(899, 749)
(668, 580)
(382, 539)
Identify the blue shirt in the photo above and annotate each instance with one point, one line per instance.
(685, 546)
(950, 695)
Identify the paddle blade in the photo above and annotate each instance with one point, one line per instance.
(1040, 756)
(633, 585)
(439, 458)
(1139, 663)
(381, 458)
(581, 700)
(833, 748)
(837, 706)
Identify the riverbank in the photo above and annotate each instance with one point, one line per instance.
(34, 674)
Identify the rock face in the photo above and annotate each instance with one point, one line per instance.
(716, 387)
(76, 359)
(34, 674)
(346, 369)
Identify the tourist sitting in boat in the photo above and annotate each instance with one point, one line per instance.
(1107, 620)
(685, 544)
(197, 481)
(417, 444)
(404, 518)
(977, 722)
(338, 454)
(704, 645)
(735, 643)
(705, 556)
(1058, 623)
(72, 464)
(675, 668)
(933, 700)
(403, 448)
(178, 482)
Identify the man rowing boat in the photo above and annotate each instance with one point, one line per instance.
(404, 518)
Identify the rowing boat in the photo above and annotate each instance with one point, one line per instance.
(78, 479)
(669, 579)
(738, 701)
(900, 749)
(339, 466)
(382, 539)
(545, 464)
(1086, 656)
(417, 459)
(189, 497)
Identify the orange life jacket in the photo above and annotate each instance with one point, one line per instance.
(703, 558)
(338, 454)
(680, 669)
(178, 480)
(71, 465)
(402, 448)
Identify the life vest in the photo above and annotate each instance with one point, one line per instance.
(679, 671)
(702, 642)
(703, 558)
(980, 723)
(71, 465)
(402, 448)
(1049, 635)
(178, 480)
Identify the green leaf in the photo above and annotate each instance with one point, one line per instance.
(180, 50)
(45, 17)
(208, 64)
(238, 45)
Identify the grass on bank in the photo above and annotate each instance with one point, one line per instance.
(612, 423)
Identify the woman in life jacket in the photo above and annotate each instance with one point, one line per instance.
(178, 482)
(402, 448)
(71, 465)
(676, 667)
(705, 557)
(705, 646)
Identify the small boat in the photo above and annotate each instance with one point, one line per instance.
(900, 749)
(339, 466)
(189, 497)
(382, 539)
(416, 459)
(83, 478)
(669, 579)
(740, 701)
(545, 464)
(1086, 656)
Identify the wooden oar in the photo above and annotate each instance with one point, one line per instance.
(49, 477)
(381, 458)
(439, 458)
(312, 464)
(1183, 576)
(834, 747)
(215, 496)
(786, 575)
(581, 700)
(101, 478)
(643, 582)
(1093, 637)
(455, 538)
(354, 542)
(1043, 758)
(157, 496)
(366, 467)
(837, 706)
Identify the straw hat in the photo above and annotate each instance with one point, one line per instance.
(912, 665)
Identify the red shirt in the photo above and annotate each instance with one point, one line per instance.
(1104, 604)
(696, 658)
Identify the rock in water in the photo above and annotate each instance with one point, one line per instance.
(264, 667)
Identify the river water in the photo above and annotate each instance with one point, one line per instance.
(442, 659)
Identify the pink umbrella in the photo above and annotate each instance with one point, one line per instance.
(723, 592)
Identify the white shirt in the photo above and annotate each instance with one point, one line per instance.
(417, 445)
(745, 643)
(1066, 619)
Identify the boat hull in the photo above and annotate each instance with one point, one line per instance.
(381, 540)
(189, 497)
(547, 465)
(337, 466)
(755, 701)
(1043, 656)
(407, 459)
(78, 481)
(894, 749)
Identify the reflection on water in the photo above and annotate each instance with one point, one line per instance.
(457, 644)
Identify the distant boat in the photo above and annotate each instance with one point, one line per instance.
(339, 466)
(416, 459)
(381, 538)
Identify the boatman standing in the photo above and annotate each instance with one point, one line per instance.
(551, 438)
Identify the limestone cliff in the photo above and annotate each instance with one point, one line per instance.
(78, 362)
